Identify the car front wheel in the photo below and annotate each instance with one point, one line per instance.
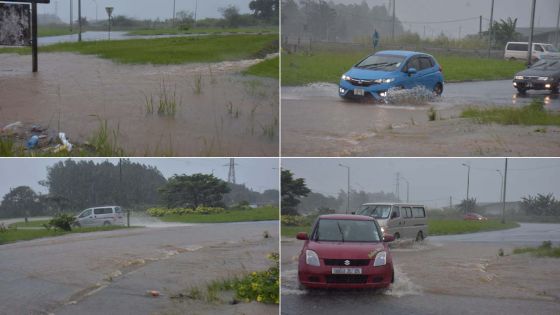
(438, 89)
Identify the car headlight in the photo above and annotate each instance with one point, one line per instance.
(345, 77)
(382, 230)
(519, 77)
(543, 79)
(311, 258)
(380, 259)
(388, 80)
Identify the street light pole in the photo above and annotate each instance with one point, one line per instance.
(348, 187)
(393, 32)
(501, 184)
(530, 46)
(491, 28)
(173, 21)
(79, 20)
(504, 194)
(468, 184)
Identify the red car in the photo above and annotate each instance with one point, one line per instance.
(345, 251)
(474, 217)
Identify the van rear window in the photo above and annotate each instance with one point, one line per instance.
(419, 212)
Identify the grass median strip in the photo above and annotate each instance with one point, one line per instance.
(14, 235)
(530, 115)
(175, 50)
(300, 68)
(545, 250)
(435, 227)
(267, 68)
(257, 214)
(215, 30)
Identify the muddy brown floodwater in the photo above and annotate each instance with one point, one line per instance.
(219, 112)
(432, 277)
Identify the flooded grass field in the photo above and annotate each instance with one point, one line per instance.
(206, 109)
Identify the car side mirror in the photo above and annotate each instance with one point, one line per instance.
(388, 238)
(411, 71)
(302, 236)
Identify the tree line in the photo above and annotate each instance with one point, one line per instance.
(76, 185)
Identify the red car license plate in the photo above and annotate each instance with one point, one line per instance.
(347, 271)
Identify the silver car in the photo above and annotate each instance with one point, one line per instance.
(101, 216)
(399, 219)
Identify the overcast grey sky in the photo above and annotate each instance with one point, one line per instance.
(257, 173)
(141, 9)
(432, 181)
(417, 13)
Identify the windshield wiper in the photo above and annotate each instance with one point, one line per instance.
(340, 229)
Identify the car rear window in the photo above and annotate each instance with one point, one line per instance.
(103, 210)
(346, 231)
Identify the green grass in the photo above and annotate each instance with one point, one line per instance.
(13, 235)
(545, 250)
(38, 223)
(169, 50)
(258, 214)
(299, 68)
(291, 231)
(176, 31)
(459, 226)
(530, 115)
(267, 68)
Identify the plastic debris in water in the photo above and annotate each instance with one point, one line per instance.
(32, 142)
(152, 293)
(66, 145)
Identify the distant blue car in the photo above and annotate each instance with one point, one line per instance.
(377, 73)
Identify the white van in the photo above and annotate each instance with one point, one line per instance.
(518, 50)
(101, 216)
(399, 219)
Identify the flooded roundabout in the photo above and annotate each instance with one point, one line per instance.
(438, 276)
(198, 109)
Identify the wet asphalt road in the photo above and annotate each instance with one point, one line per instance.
(443, 293)
(316, 122)
(110, 272)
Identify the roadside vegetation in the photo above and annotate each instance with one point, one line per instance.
(531, 115)
(258, 286)
(303, 68)
(267, 68)
(60, 224)
(54, 30)
(544, 250)
(233, 215)
(176, 50)
(205, 30)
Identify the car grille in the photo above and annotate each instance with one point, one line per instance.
(351, 262)
(346, 279)
(358, 82)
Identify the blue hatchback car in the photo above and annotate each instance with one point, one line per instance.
(377, 73)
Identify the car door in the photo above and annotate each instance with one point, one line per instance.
(407, 222)
(409, 80)
(428, 72)
(395, 223)
(86, 218)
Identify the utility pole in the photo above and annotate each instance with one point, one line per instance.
(348, 188)
(504, 195)
(398, 191)
(491, 28)
(195, 11)
(557, 26)
(231, 173)
(407, 190)
(34, 40)
(530, 47)
(79, 20)
(480, 26)
(393, 32)
(450, 202)
(468, 184)
(71, 15)
(501, 184)
(173, 20)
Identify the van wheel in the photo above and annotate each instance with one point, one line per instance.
(106, 223)
(397, 236)
(438, 89)
(419, 236)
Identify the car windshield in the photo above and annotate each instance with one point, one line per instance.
(381, 62)
(546, 64)
(346, 231)
(376, 211)
(550, 48)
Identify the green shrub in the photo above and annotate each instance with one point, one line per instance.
(161, 212)
(261, 286)
(62, 221)
(293, 220)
